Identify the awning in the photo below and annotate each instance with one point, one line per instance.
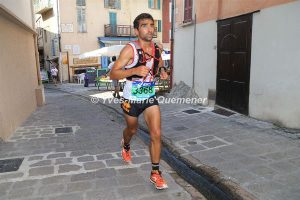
(109, 41)
(85, 65)
(113, 50)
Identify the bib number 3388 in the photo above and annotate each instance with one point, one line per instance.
(143, 89)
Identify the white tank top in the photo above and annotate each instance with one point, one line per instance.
(127, 91)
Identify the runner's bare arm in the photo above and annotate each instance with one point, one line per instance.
(117, 71)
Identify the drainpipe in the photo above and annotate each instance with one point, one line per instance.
(36, 52)
(194, 52)
(58, 25)
(59, 40)
(37, 60)
(68, 67)
(219, 9)
(172, 43)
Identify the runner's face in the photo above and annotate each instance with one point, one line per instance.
(146, 29)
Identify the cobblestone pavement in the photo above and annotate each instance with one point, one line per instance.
(70, 149)
(249, 159)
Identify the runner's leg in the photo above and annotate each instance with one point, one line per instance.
(130, 130)
(152, 118)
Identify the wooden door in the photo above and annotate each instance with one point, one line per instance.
(233, 65)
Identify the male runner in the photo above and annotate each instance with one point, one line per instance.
(141, 60)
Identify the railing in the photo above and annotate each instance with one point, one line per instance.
(121, 31)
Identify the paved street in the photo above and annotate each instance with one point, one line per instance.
(246, 158)
(70, 150)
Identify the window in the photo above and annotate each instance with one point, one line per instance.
(154, 4)
(157, 24)
(81, 19)
(53, 47)
(80, 2)
(45, 35)
(188, 11)
(112, 4)
(113, 22)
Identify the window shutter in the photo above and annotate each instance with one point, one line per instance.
(104, 61)
(78, 19)
(118, 4)
(158, 4)
(158, 25)
(149, 3)
(83, 20)
(112, 4)
(53, 47)
(106, 3)
(80, 2)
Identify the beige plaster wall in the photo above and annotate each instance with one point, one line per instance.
(141, 6)
(21, 8)
(95, 16)
(18, 76)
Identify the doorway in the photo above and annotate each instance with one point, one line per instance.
(233, 63)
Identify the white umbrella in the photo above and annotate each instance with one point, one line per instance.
(105, 51)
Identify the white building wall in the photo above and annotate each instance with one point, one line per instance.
(275, 65)
(275, 57)
(183, 55)
(206, 58)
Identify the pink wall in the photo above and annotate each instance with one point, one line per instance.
(221, 9)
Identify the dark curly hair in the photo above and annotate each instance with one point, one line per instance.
(139, 17)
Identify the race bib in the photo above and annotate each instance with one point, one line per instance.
(143, 90)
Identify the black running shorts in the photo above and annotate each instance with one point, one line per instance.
(135, 108)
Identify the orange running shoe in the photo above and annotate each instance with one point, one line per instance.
(126, 155)
(158, 180)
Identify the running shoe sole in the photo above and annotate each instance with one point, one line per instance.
(158, 188)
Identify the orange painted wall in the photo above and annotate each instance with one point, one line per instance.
(221, 9)
(178, 12)
(230, 8)
(206, 10)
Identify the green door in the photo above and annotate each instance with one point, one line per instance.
(113, 23)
